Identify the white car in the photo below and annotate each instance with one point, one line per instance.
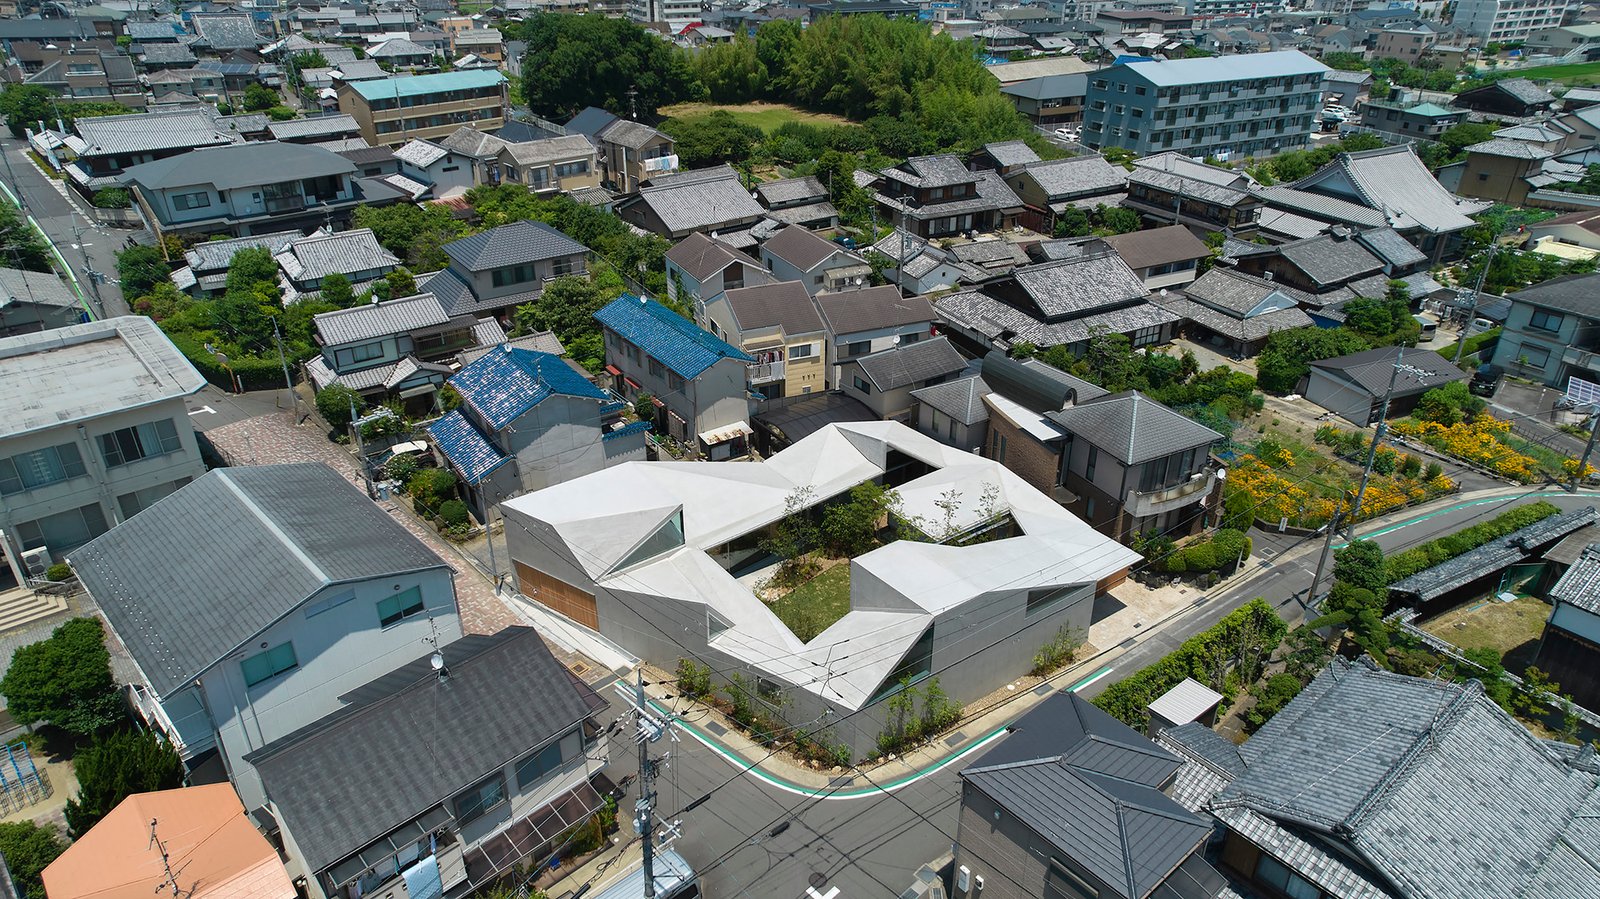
(1338, 113)
(1067, 132)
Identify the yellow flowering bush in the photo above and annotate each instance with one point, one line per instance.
(1477, 441)
(1570, 466)
(1308, 503)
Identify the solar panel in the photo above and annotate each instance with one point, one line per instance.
(1582, 393)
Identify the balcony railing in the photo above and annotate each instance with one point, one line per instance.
(1588, 360)
(1155, 502)
(285, 204)
(764, 372)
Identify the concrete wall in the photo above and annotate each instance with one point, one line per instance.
(100, 486)
(556, 441)
(337, 650)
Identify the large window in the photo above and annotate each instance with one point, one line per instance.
(40, 467)
(264, 666)
(153, 438)
(668, 536)
(64, 530)
(1544, 320)
(400, 606)
(540, 763)
(197, 200)
(568, 169)
(133, 503)
(488, 794)
(513, 274)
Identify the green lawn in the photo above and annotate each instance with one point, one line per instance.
(1574, 73)
(810, 608)
(766, 116)
(1505, 627)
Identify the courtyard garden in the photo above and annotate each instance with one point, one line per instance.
(1510, 629)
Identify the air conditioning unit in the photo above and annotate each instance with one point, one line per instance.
(35, 562)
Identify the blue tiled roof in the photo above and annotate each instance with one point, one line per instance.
(668, 337)
(506, 383)
(632, 427)
(466, 449)
(611, 407)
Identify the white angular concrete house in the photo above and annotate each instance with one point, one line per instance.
(661, 558)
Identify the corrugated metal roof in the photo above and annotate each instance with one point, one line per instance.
(420, 85)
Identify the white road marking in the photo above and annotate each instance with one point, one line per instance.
(206, 409)
(812, 892)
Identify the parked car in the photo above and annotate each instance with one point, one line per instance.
(1429, 328)
(1480, 325)
(1485, 379)
(1068, 132)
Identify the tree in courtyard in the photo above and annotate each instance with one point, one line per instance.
(401, 283)
(64, 680)
(850, 528)
(336, 291)
(258, 97)
(28, 849)
(115, 767)
(1361, 565)
(1287, 355)
(1072, 222)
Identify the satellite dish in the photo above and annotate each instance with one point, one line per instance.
(896, 340)
(1163, 291)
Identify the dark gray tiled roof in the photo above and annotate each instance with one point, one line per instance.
(1428, 783)
(854, 311)
(321, 125)
(990, 253)
(283, 531)
(1248, 329)
(1134, 428)
(1388, 245)
(790, 191)
(1037, 385)
(702, 199)
(912, 363)
(805, 213)
(1090, 786)
(784, 304)
(1579, 294)
(1496, 555)
(375, 320)
(1158, 246)
(1329, 260)
(961, 399)
(1011, 152)
(411, 740)
(1077, 176)
(630, 134)
(1231, 290)
(240, 165)
(214, 255)
(165, 54)
(1371, 369)
(1580, 585)
(511, 244)
(1072, 288)
(801, 248)
(345, 252)
(930, 171)
(1003, 322)
(227, 32)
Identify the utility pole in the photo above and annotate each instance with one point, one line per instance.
(1472, 307)
(1327, 548)
(283, 360)
(1588, 450)
(88, 267)
(1383, 427)
(650, 729)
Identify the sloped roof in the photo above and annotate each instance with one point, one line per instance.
(1077, 176)
(287, 531)
(227, 32)
(668, 337)
(1426, 782)
(511, 244)
(700, 200)
(1074, 287)
(853, 311)
(380, 319)
(701, 256)
(1011, 152)
(550, 149)
(420, 153)
(1158, 246)
(204, 833)
(398, 46)
(912, 363)
(314, 127)
(502, 386)
(1580, 584)
(240, 165)
(150, 132)
(1393, 181)
(801, 248)
(1388, 245)
(472, 142)
(961, 399)
(1371, 370)
(1509, 149)
(351, 777)
(1034, 384)
(1091, 786)
(214, 255)
(791, 190)
(1329, 260)
(1569, 293)
(344, 252)
(783, 304)
(1133, 428)
(1496, 555)
(420, 85)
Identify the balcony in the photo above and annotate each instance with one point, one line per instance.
(1588, 360)
(285, 204)
(764, 372)
(1155, 502)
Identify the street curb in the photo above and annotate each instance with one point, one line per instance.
(66, 269)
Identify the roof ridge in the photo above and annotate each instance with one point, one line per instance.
(226, 477)
(1443, 721)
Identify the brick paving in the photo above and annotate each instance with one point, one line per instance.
(272, 439)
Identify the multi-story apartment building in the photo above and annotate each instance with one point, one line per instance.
(94, 430)
(394, 111)
(1252, 105)
(1508, 20)
(647, 11)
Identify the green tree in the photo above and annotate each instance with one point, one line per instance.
(401, 283)
(713, 139)
(1072, 222)
(115, 767)
(336, 291)
(850, 528)
(141, 268)
(732, 72)
(566, 307)
(64, 680)
(25, 106)
(1116, 220)
(24, 247)
(253, 270)
(1361, 564)
(259, 97)
(334, 403)
(1361, 612)
(1287, 355)
(29, 849)
(412, 232)
(573, 62)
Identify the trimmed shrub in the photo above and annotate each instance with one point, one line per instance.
(58, 572)
(1434, 552)
(454, 512)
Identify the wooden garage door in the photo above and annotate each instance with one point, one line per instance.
(558, 595)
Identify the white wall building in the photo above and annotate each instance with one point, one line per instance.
(1508, 20)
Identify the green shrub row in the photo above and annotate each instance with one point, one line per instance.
(1238, 645)
(254, 373)
(1403, 565)
(1222, 551)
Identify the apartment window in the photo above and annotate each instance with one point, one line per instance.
(568, 169)
(1542, 320)
(197, 200)
(153, 438)
(63, 530)
(1537, 356)
(40, 467)
(1046, 599)
(538, 765)
(488, 794)
(560, 268)
(264, 666)
(133, 503)
(399, 607)
(674, 381)
(657, 370)
(861, 384)
(513, 274)
(1118, 109)
(802, 351)
(1001, 458)
(1094, 457)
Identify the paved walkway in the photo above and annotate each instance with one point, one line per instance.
(272, 439)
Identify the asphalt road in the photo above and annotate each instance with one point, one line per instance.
(82, 243)
(755, 840)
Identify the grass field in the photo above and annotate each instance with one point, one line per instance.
(1506, 627)
(766, 116)
(810, 608)
(1574, 73)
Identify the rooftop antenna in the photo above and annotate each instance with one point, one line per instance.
(169, 880)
